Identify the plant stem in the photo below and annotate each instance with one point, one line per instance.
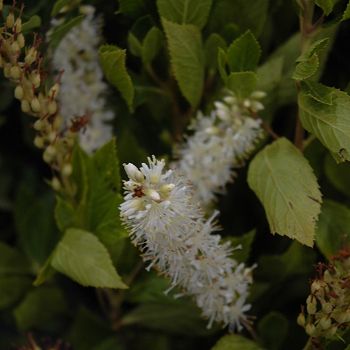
(308, 345)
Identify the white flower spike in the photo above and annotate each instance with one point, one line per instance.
(173, 235)
(83, 90)
(220, 143)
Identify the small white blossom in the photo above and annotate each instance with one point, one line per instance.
(220, 143)
(170, 230)
(82, 87)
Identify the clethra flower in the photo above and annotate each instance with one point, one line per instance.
(220, 143)
(174, 237)
(83, 89)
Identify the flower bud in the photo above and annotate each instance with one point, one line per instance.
(327, 307)
(39, 142)
(20, 40)
(19, 92)
(67, 170)
(55, 183)
(133, 173)
(7, 71)
(18, 25)
(30, 56)
(311, 304)
(52, 107)
(154, 195)
(49, 154)
(310, 329)
(25, 106)
(35, 105)
(258, 95)
(15, 72)
(301, 319)
(15, 47)
(54, 90)
(35, 79)
(325, 323)
(10, 20)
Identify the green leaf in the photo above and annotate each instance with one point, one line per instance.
(151, 45)
(333, 228)
(58, 6)
(60, 31)
(242, 83)
(83, 258)
(174, 318)
(211, 49)
(244, 53)
(273, 330)
(317, 91)
(329, 123)
(235, 342)
(95, 330)
(35, 223)
(185, 11)
(307, 68)
(309, 62)
(187, 58)
(32, 23)
(113, 64)
(132, 8)
(12, 262)
(338, 175)
(326, 5)
(134, 44)
(346, 14)
(285, 183)
(42, 308)
(222, 63)
(245, 242)
(295, 261)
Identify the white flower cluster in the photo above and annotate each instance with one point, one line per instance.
(220, 142)
(170, 230)
(82, 86)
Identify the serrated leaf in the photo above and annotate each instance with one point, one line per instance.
(113, 64)
(307, 68)
(329, 123)
(222, 63)
(235, 342)
(187, 58)
(309, 62)
(319, 92)
(285, 183)
(333, 228)
(60, 31)
(273, 330)
(211, 49)
(242, 83)
(244, 53)
(338, 174)
(185, 11)
(151, 45)
(326, 5)
(82, 257)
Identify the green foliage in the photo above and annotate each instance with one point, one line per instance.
(61, 30)
(329, 123)
(211, 49)
(333, 228)
(112, 61)
(273, 329)
(244, 53)
(187, 58)
(245, 242)
(235, 342)
(287, 187)
(82, 257)
(42, 308)
(309, 62)
(33, 23)
(242, 83)
(185, 11)
(326, 5)
(151, 45)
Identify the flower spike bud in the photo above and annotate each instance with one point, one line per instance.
(133, 173)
